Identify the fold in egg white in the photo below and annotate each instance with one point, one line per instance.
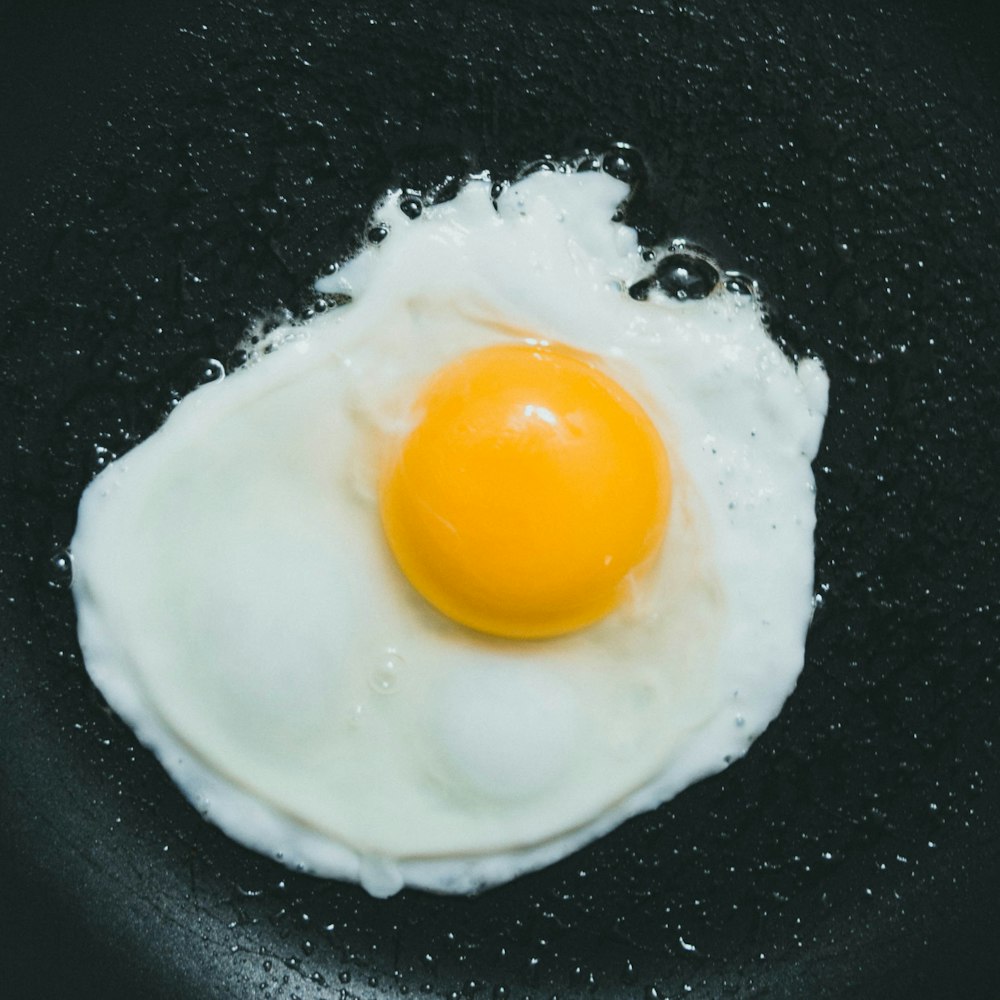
(238, 606)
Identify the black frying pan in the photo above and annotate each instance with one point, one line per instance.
(170, 174)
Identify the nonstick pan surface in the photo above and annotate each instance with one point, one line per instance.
(172, 173)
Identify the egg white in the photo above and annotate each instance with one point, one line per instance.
(239, 608)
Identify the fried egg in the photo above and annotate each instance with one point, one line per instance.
(456, 576)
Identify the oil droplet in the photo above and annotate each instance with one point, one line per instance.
(102, 456)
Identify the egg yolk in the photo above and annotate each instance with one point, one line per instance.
(529, 494)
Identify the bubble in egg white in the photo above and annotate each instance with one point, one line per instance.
(239, 608)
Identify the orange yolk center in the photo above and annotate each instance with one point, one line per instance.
(531, 491)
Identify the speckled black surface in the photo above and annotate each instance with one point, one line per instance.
(171, 174)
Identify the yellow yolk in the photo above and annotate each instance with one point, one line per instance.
(532, 489)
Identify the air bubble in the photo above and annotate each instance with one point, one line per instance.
(624, 164)
(335, 299)
(60, 570)
(385, 679)
(684, 276)
(740, 283)
(102, 456)
(411, 205)
(545, 165)
(194, 373)
(447, 190)
(640, 290)
(377, 234)
(210, 370)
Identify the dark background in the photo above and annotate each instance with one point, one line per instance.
(169, 174)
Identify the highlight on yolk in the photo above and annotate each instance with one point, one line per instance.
(531, 489)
